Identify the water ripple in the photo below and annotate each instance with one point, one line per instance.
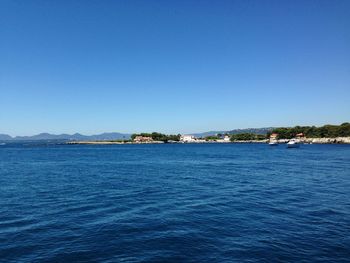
(174, 203)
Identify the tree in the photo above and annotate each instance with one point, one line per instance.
(331, 131)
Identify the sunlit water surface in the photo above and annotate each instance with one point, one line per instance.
(174, 203)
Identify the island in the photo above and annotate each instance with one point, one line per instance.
(306, 134)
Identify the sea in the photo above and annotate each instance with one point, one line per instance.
(174, 203)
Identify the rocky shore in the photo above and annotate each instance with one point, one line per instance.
(337, 140)
(328, 140)
(110, 142)
(340, 140)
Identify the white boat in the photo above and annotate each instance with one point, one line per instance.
(273, 143)
(293, 143)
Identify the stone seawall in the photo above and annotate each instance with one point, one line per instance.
(305, 140)
(321, 140)
(328, 140)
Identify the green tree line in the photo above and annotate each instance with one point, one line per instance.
(156, 136)
(326, 131)
(247, 137)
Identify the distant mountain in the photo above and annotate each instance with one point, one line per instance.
(236, 131)
(251, 130)
(5, 137)
(115, 135)
(110, 136)
(76, 137)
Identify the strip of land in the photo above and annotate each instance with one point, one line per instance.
(338, 140)
(327, 134)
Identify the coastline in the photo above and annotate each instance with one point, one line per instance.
(111, 142)
(337, 140)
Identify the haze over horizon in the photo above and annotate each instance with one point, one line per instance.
(150, 131)
(173, 67)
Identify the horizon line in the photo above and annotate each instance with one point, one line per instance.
(130, 133)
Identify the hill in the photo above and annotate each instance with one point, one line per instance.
(258, 131)
(76, 136)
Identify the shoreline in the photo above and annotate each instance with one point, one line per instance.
(337, 140)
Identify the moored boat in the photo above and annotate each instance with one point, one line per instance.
(293, 143)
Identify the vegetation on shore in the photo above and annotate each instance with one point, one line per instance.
(247, 137)
(326, 131)
(237, 137)
(158, 136)
(213, 137)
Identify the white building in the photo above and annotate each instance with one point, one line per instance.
(187, 138)
(227, 138)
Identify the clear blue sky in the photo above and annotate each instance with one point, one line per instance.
(172, 66)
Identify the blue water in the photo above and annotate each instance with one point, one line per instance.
(174, 203)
